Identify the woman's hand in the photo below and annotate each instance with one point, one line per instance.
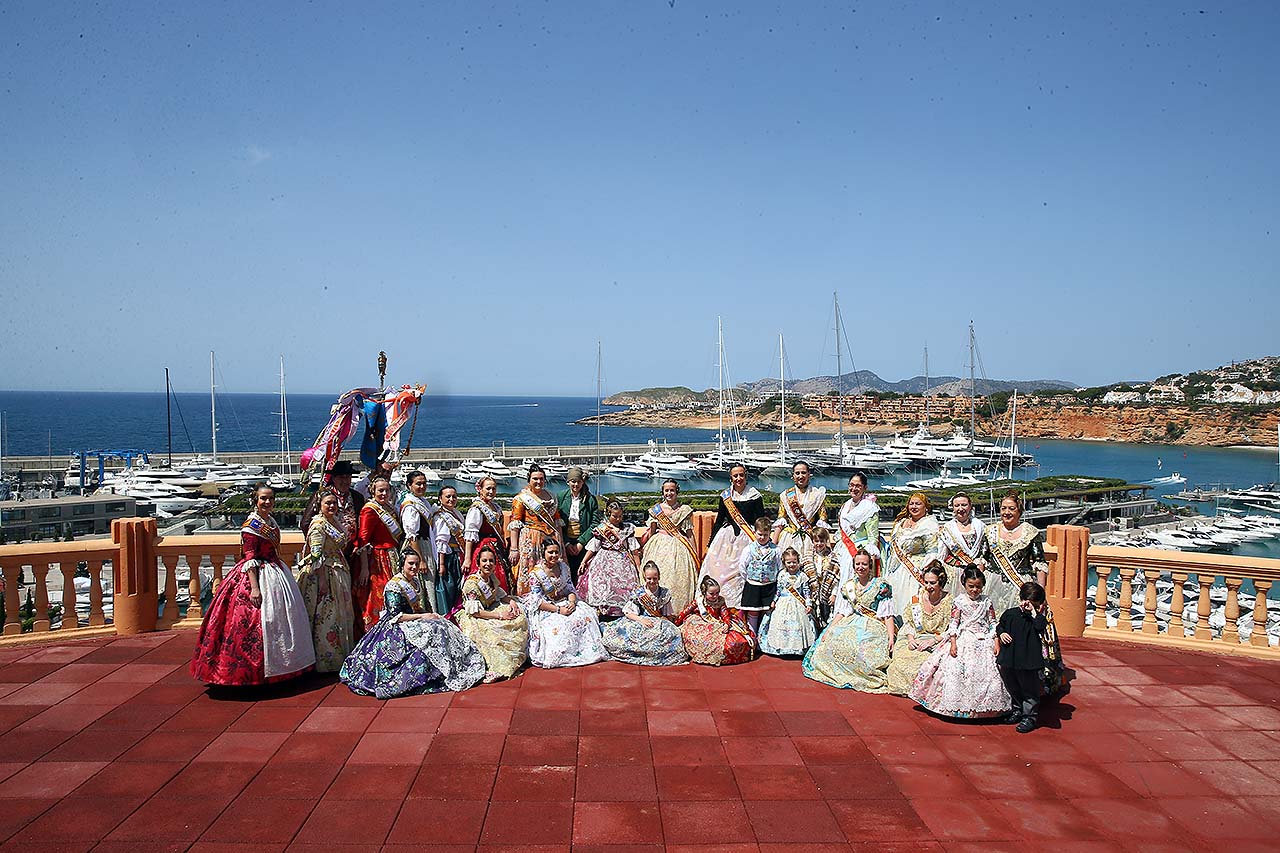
(954, 650)
(255, 596)
(363, 581)
(570, 606)
(647, 621)
(995, 648)
(1005, 638)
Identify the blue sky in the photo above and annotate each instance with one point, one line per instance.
(484, 190)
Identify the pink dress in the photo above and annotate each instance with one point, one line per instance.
(967, 685)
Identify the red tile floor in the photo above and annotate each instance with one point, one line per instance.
(110, 745)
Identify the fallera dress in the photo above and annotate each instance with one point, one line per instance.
(929, 627)
(446, 534)
(332, 615)
(960, 548)
(969, 684)
(798, 514)
(560, 639)
(611, 577)
(484, 521)
(853, 652)
(823, 571)
(535, 518)
(858, 526)
(788, 628)
(715, 634)
(1009, 563)
(631, 642)
(504, 643)
(732, 532)
(405, 657)
(380, 530)
(240, 644)
(671, 546)
(910, 551)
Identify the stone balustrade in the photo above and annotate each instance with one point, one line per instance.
(144, 570)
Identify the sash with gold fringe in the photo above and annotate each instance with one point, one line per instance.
(670, 527)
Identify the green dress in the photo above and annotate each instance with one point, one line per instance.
(853, 653)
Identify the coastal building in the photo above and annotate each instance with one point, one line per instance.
(52, 519)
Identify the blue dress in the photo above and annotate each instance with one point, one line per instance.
(632, 642)
(404, 658)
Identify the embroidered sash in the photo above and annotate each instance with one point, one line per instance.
(454, 522)
(612, 537)
(735, 514)
(536, 505)
(905, 560)
(553, 587)
(801, 523)
(649, 602)
(493, 519)
(956, 551)
(389, 519)
(1004, 563)
(484, 593)
(670, 527)
(857, 600)
(263, 528)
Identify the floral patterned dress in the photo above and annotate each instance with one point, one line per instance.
(629, 641)
(404, 657)
(930, 628)
(611, 577)
(504, 643)
(380, 530)
(1009, 562)
(560, 639)
(534, 518)
(853, 653)
(910, 551)
(241, 643)
(672, 553)
(715, 633)
(787, 629)
(332, 614)
(967, 685)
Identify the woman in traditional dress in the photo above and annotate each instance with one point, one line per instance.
(853, 653)
(447, 527)
(962, 540)
(740, 506)
(801, 508)
(611, 569)
(858, 526)
(416, 511)
(484, 521)
(492, 619)
(960, 678)
(924, 626)
(409, 651)
(324, 579)
(668, 541)
(256, 628)
(787, 628)
(562, 630)
(714, 633)
(534, 518)
(379, 539)
(645, 635)
(1013, 553)
(913, 545)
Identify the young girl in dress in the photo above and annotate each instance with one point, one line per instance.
(713, 632)
(759, 567)
(788, 627)
(960, 678)
(610, 571)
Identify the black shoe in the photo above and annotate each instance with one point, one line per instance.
(1010, 718)
(1027, 725)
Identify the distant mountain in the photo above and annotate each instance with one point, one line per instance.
(864, 381)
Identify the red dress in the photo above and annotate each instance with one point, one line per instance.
(383, 532)
(492, 536)
(715, 634)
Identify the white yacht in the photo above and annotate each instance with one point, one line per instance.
(470, 471)
(621, 467)
(661, 462)
(944, 480)
(497, 470)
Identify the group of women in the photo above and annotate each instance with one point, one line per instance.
(418, 597)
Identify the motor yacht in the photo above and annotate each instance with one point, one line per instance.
(621, 467)
(661, 462)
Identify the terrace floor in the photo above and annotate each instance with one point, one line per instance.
(110, 745)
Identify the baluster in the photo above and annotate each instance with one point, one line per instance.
(1176, 626)
(1231, 630)
(1100, 598)
(69, 611)
(170, 613)
(1126, 600)
(1150, 624)
(1259, 636)
(217, 560)
(1203, 607)
(194, 609)
(96, 615)
(12, 600)
(41, 623)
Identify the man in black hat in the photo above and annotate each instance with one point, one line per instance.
(350, 502)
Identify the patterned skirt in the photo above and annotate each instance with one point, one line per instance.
(406, 658)
(711, 642)
(608, 581)
(557, 639)
(679, 572)
(787, 629)
(967, 685)
(332, 616)
(721, 562)
(852, 654)
(630, 642)
(383, 563)
(504, 643)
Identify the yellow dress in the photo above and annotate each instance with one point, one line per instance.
(906, 662)
(678, 566)
(503, 643)
(332, 616)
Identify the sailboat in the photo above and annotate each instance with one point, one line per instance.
(282, 480)
(776, 464)
(730, 449)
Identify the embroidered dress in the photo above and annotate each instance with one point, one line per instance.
(969, 684)
(853, 653)
(715, 634)
(798, 514)
(484, 521)
(611, 576)
(1009, 563)
(379, 529)
(788, 628)
(242, 644)
(560, 639)
(535, 518)
(958, 548)
(672, 553)
(504, 643)
(909, 552)
(858, 527)
(415, 520)
(446, 534)
(732, 532)
(931, 628)
(631, 642)
(332, 615)
(823, 571)
(405, 657)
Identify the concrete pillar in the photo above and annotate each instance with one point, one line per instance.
(1069, 578)
(137, 596)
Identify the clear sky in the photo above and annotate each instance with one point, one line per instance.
(484, 190)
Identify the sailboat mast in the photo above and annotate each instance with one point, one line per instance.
(284, 412)
(599, 368)
(283, 457)
(973, 392)
(1013, 432)
(720, 381)
(782, 382)
(168, 414)
(213, 407)
(839, 378)
(926, 386)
